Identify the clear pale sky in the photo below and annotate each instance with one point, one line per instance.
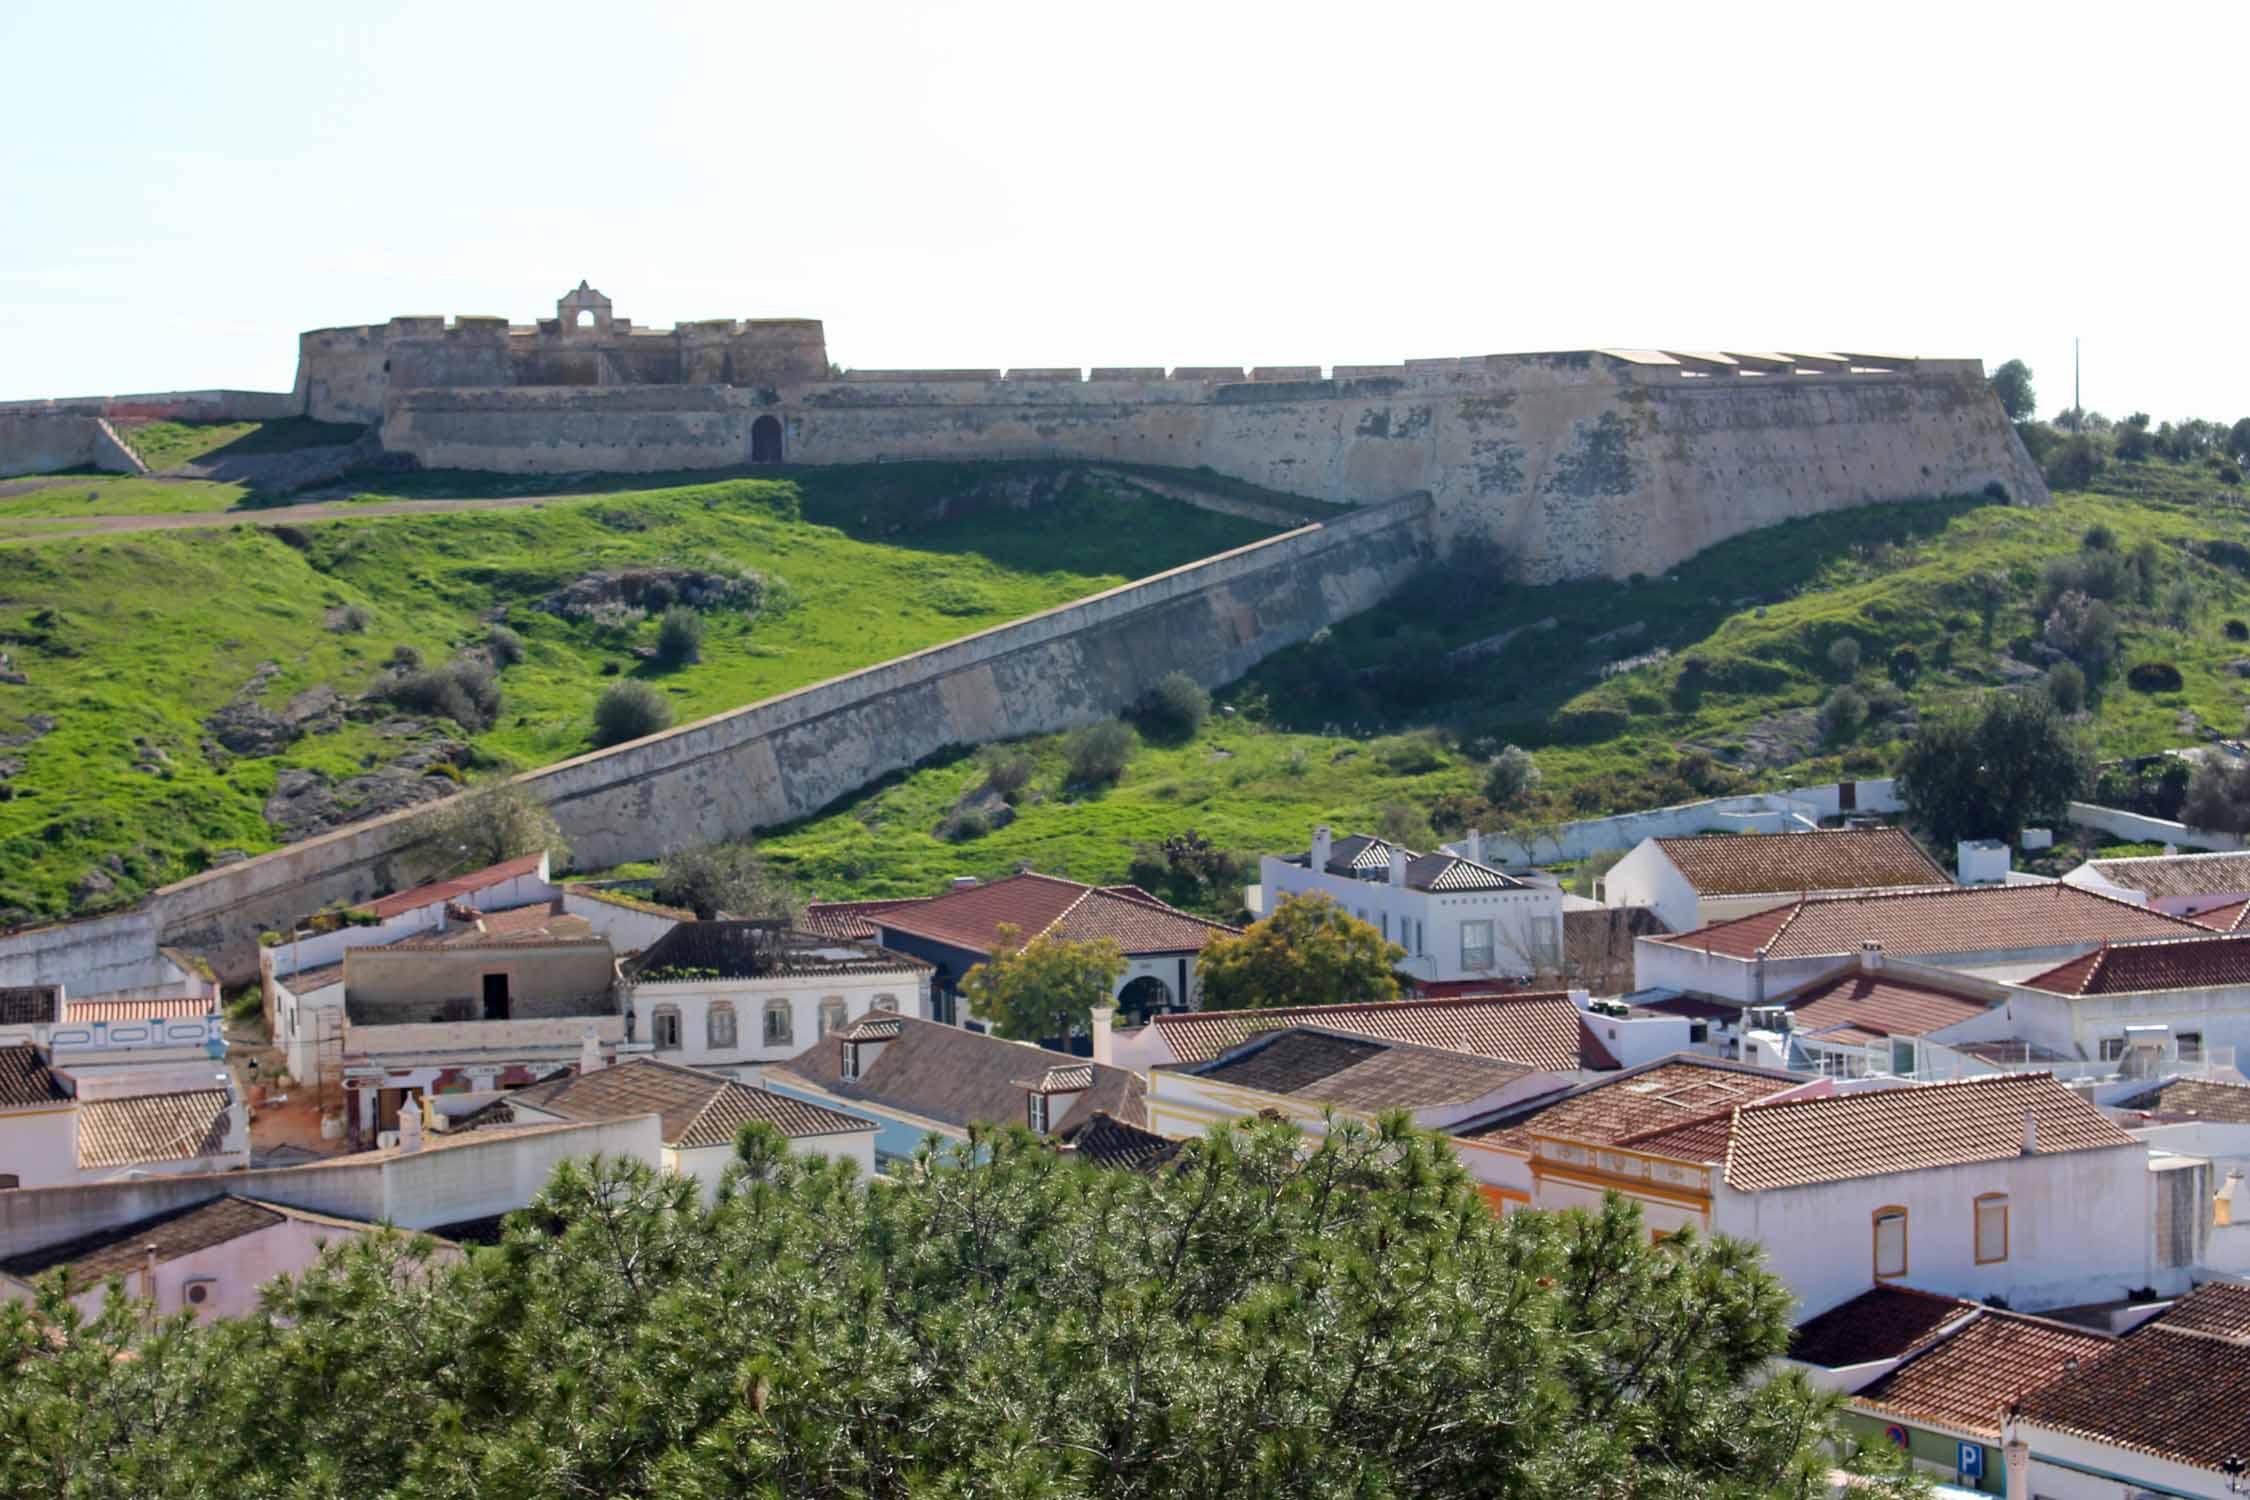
(184, 187)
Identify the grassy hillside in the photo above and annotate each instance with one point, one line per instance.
(109, 770)
(1710, 681)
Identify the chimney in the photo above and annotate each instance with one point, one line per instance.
(1581, 999)
(2232, 1203)
(1870, 957)
(1321, 840)
(1398, 866)
(964, 882)
(410, 1124)
(1476, 847)
(590, 1052)
(148, 1276)
(1105, 1051)
(2030, 1133)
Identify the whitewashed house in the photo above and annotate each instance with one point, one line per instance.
(51, 1134)
(2184, 1002)
(738, 994)
(1459, 921)
(1696, 881)
(2186, 885)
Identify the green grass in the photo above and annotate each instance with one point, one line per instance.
(67, 497)
(1761, 610)
(165, 445)
(137, 638)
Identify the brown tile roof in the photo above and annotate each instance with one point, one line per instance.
(1959, 919)
(853, 919)
(1356, 1072)
(185, 1008)
(1537, 1029)
(1106, 1141)
(453, 889)
(26, 1080)
(2168, 876)
(2171, 1390)
(93, 1258)
(695, 1108)
(955, 1076)
(2130, 968)
(152, 1127)
(1036, 904)
(1654, 1096)
(1067, 1079)
(1880, 1131)
(2217, 1307)
(28, 1004)
(2194, 1099)
(1853, 1006)
(1829, 859)
(2227, 918)
(1883, 1322)
(1968, 1380)
(731, 949)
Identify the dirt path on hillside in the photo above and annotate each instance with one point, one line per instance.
(62, 528)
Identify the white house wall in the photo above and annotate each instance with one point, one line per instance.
(1517, 917)
(2065, 1466)
(903, 991)
(39, 1146)
(1647, 877)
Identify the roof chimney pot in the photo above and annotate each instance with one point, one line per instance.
(1322, 841)
(2030, 1133)
(1870, 957)
(1398, 865)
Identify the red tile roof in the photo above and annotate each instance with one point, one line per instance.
(177, 1008)
(1959, 919)
(1655, 1096)
(454, 889)
(2131, 968)
(152, 1127)
(1538, 1030)
(695, 1108)
(2218, 1307)
(853, 919)
(1041, 904)
(26, 1080)
(2227, 918)
(1828, 859)
(1883, 1322)
(2194, 1099)
(2173, 1389)
(1968, 1380)
(1355, 1072)
(2165, 876)
(1853, 1006)
(1879, 1131)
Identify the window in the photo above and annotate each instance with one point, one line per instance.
(2113, 1048)
(1992, 1228)
(1419, 950)
(1386, 927)
(851, 1059)
(664, 1028)
(2191, 1046)
(9, 1180)
(831, 1014)
(780, 1023)
(1035, 1112)
(718, 1026)
(1890, 1243)
(1902, 1057)
(1476, 945)
(496, 997)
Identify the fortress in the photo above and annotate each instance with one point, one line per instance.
(1602, 462)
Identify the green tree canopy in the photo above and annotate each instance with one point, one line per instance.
(729, 878)
(1986, 769)
(1042, 989)
(491, 825)
(1271, 1318)
(2012, 384)
(1309, 952)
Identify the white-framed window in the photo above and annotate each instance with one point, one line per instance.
(1992, 1228)
(718, 1026)
(2113, 1048)
(1035, 1112)
(664, 1028)
(1890, 1243)
(1476, 945)
(851, 1060)
(831, 1014)
(780, 1023)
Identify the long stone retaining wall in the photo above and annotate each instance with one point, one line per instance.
(789, 756)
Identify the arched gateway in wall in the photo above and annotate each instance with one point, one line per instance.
(765, 440)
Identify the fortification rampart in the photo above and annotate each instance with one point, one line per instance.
(789, 756)
(46, 437)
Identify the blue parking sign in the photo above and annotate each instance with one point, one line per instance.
(1972, 1461)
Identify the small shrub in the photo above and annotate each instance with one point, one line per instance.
(465, 691)
(1843, 714)
(2066, 686)
(1906, 665)
(679, 638)
(505, 645)
(2098, 538)
(1511, 774)
(1885, 700)
(2154, 677)
(403, 658)
(964, 825)
(1006, 774)
(1402, 823)
(1411, 754)
(612, 668)
(1099, 752)
(1175, 708)
(2181, 602)
(628, 711)
(352, 619)
(1586, 726)
(2237, 630)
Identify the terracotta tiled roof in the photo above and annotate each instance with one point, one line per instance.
(1067, 1079)
(955, 1076)
(1836, 859)
(92, 1258)
(1356, 1072)
(28, 1004)
(1853, 1006)
(2194, 1099)
(1654, 1096)
(1959, 919)
(2216, 1307)
(1705, 1139)
(152, 1127)
(2130, 968)
(1968, 1379)
(1883, 1322)
(695, 1108)
(25, 1078)
(853, 919)
(1109, 1142)
(2227, 918)
(1880, 1131)
(2169, 876)
(1035, 904)
(179, 1008)
(454, 889)
(1537, 1029)
(2173, 1389)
